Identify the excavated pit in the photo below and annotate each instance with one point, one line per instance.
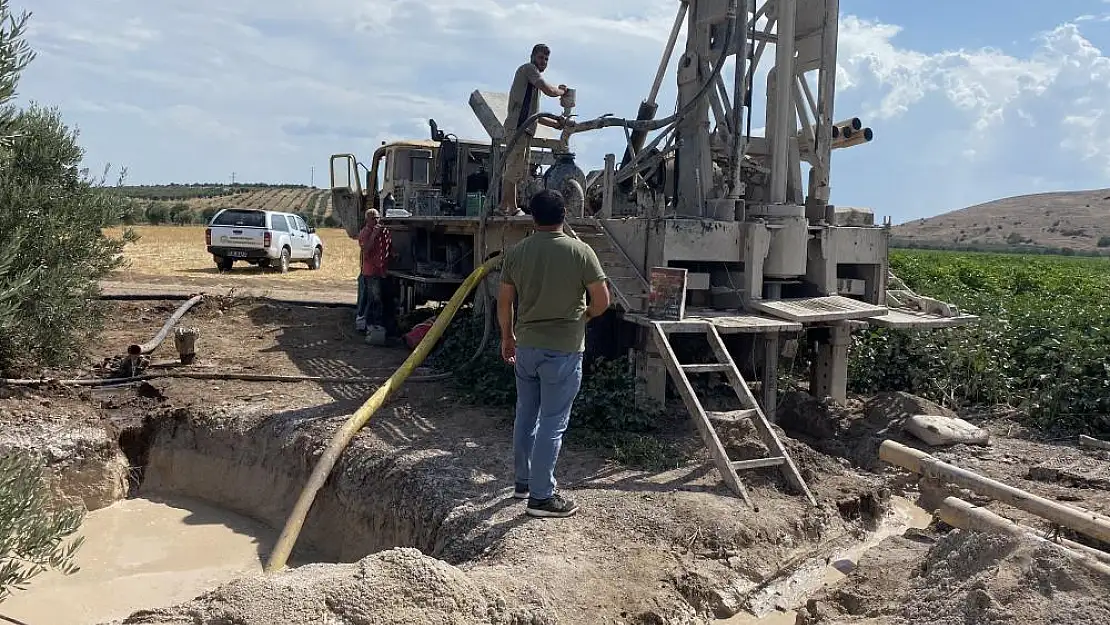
(449, 502)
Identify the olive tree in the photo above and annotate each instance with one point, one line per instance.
(52, 225)
(52, 222)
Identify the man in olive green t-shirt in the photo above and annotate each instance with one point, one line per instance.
(549, 274)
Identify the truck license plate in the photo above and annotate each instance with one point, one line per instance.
(237, 254)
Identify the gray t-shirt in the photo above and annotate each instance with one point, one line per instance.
(524, 98)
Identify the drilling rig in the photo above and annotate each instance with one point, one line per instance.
(768, 261)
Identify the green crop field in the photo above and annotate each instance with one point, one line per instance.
(1042, 344)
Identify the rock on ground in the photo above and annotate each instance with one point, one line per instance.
(394, 587)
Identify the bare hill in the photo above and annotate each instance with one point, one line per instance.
(1079, 220)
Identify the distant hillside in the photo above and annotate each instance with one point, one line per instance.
(1070, 221)
(197, 203)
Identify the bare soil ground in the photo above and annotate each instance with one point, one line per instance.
(1074, 219)
(173, 260)
(433, 473)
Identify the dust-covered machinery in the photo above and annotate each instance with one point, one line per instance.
(769, 260)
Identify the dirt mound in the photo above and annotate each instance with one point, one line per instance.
(973, 578)
(84, 467)
(853, 430)
(965, 578)
(399, 586)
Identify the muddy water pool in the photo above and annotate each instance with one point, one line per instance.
(143, 553)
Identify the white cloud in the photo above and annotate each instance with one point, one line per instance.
(192, 91)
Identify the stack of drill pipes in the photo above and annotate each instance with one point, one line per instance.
(959, 513)
(1083, 521)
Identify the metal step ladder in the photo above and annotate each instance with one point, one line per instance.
(704, 420)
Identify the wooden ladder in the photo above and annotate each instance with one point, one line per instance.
(704, 420)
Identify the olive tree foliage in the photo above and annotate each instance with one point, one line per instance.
(32, 527)
(52, 254)
(52, 220)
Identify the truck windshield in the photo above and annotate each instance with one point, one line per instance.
(248, 218)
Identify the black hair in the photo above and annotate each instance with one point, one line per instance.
(540, 47)
(547, 208)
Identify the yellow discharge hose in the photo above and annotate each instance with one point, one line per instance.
(343, 437)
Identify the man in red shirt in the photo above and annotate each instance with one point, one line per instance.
(376, 246)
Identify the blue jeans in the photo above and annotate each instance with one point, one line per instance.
(547, 382)
(368, 310)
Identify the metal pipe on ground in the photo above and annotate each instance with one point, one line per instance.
(1093, 443)
(1083, 521)
(959, 513)
(152, 344)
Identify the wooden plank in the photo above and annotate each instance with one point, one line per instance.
(740, 387)
(758, 463)
(730, 416)
(913, 319)
(712, 442)
(706, 368)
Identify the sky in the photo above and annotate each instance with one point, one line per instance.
(994, 99)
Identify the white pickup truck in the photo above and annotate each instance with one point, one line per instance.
(262, 238)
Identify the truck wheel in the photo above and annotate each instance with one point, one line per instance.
(317, 259)
(224, 264)
(283, 263)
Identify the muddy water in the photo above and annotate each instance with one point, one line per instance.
(140, 554)
(775, 605)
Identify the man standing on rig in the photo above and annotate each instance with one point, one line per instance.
(550, 273)
(524, 101)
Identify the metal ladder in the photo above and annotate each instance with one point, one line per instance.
(704, 420)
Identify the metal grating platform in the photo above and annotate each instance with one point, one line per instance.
(817, 309)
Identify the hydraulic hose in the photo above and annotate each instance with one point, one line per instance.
(487, 330)
(343, 437)
(153, 343)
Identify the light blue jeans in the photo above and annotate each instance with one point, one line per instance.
(547, 381)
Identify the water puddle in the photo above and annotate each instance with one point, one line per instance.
(775, 604)
(140, 553)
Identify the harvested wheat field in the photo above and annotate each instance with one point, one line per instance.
(174, 259)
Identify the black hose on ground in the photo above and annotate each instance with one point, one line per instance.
(194, 375)
(152, 344)
(487, 327)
